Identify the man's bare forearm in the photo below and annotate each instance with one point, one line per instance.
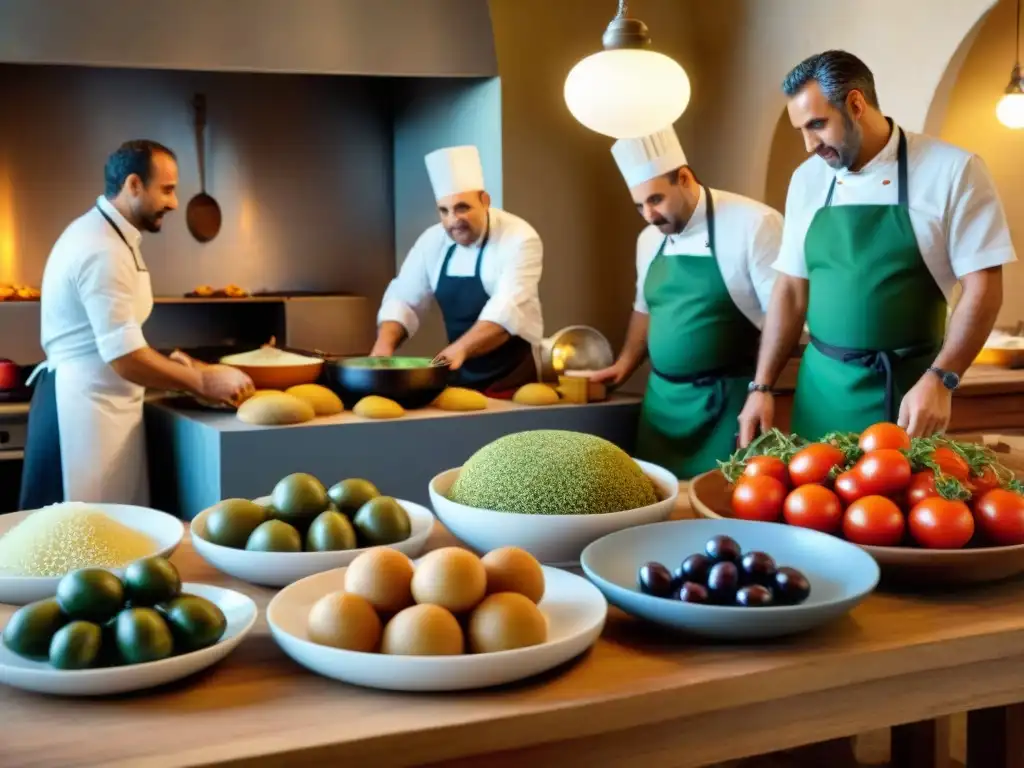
(634, 349)
(148, 368)
(973, 319)
(483, 337)
(787, 311)
(391, 333)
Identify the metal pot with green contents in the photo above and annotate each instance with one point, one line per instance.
(412, 382)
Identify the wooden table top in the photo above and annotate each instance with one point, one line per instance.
(893, 659)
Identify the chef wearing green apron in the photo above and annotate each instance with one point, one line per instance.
(880, 227)
(703, 280)
(482, 266)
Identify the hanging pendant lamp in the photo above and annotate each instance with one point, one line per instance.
(1010, 109)
(627, 90)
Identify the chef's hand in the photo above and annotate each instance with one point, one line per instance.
(224, 384)
(613, 375)
(454, 355)
(757, 413)
(382, 349)
(926, 408)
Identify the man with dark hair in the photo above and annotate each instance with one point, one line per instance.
(880, 227)
(703, 280)
(482, 265)
(86, 439)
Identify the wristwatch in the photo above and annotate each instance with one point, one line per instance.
(755, 387)
(949, 379)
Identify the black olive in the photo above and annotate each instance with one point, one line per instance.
(694, 569)
(791, 586)
(758, 568)
(754, 596)
(723, 549)
(655, 579)
(723, 580)
(693, 593)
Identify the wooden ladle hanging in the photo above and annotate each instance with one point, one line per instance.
(202, 215)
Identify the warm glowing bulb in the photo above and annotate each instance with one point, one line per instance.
(1010, 110)
(625, 92)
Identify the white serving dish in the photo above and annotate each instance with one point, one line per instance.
(166, 530)
(552, 539)
(40, 677)
(575, 610)
(841, 576)
(277, 569)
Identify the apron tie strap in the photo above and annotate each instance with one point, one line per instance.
(878, 360)
(715, 379)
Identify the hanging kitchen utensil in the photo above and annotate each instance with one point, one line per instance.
(203, 213)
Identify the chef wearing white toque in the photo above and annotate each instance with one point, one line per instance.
(704, 277)
(482, 265)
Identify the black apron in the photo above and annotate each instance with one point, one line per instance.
(42, 477)
(462, 299)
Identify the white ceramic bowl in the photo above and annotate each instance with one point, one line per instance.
(841, 575)
(40, 677)
(574, 608)
(552, 539)
(166, 530)
(277, 569)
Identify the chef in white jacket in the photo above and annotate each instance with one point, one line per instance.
(86, 438)
(704, 277)
(482, 265)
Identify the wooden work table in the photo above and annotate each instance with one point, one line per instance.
(638, 698)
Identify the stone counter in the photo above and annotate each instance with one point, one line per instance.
(199, 456)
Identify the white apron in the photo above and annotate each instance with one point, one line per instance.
(102, 435)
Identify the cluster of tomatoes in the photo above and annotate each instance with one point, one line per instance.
(879, 500)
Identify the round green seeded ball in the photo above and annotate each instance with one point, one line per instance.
(552, 472)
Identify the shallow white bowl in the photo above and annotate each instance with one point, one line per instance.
(277, 569)
(40, 677)
(166, 530)
(841, 575)
(574, 608)
(552, 539)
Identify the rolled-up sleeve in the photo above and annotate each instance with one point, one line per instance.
(107, 285)
(799, 213)
(978, 235)
(408, 296)
(515, 303)
(764, 250)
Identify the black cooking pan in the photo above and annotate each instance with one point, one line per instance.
(412, 382)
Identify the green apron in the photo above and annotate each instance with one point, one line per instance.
(876, 316)
(703, 351)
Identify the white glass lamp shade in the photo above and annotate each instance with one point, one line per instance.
(625, 92)
(1010, 110)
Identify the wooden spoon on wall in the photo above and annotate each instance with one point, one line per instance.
(202, 215)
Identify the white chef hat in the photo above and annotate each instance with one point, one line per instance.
(454, 170)
(643, 158)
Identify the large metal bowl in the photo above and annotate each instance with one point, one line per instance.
(412, 382)
(575, 348)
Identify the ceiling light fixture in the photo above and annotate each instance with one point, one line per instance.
(1010, 109)
(627, 90)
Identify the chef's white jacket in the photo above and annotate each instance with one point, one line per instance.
(510, 270)
(89, 290)
(955, 210)
(747, 238)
